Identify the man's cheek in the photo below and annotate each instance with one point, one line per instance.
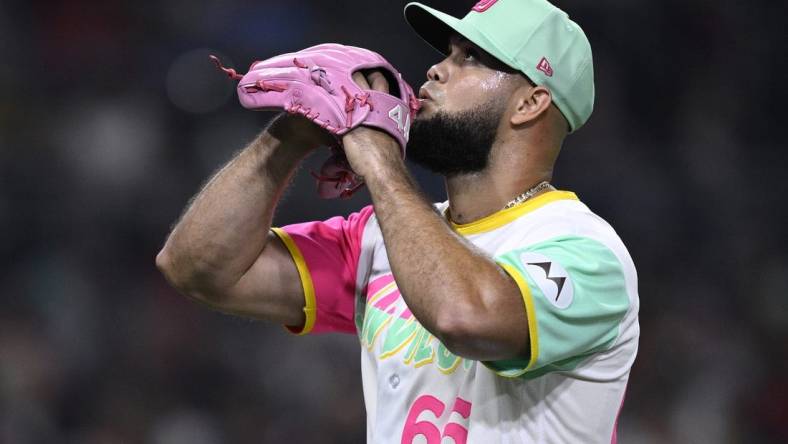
(463, 98)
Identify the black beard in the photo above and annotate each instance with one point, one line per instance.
(454, 144)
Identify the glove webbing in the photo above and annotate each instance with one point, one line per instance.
(318, 76)
(344, 181)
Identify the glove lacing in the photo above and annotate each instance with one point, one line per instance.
(346, 180)
(260, 85)
(350, 104)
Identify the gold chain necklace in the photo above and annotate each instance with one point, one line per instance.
(541, 186)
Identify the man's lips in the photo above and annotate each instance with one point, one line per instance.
(424, 94)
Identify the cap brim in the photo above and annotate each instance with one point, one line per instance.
(436, 27)
(433, 26)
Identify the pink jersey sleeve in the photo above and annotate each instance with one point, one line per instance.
(326, 255)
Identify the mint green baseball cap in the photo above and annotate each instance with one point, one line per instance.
(531, 36)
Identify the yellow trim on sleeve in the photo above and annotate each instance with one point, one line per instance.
(533, 333)
(508, 215)
(310, 305)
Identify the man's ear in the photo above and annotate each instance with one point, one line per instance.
(532, 102)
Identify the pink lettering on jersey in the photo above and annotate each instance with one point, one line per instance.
(418, 423)
(378, 284)
(382, 292)
(387, 319)
(387, 299)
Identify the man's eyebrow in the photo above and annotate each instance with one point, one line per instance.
(456, 39)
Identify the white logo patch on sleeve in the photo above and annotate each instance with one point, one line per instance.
(551, 278)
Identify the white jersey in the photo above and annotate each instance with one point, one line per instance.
(579, 289)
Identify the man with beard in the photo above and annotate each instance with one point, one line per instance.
(507, 313)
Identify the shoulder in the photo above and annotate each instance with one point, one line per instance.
(569, 217)
(558, 223)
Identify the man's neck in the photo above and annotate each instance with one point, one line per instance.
(474, 196)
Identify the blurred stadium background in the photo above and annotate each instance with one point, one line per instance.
(111, 116)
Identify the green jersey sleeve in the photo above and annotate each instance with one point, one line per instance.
(575, 299)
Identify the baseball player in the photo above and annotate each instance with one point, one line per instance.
(507, 313)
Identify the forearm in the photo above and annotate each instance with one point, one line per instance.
(225, 228)
(451, 287)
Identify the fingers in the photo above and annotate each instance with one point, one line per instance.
(360, 80)
(378, 81)
(374, 80)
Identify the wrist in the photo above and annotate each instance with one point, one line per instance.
(389, 177)
(274, 154)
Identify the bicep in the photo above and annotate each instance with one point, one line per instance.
(270, 290)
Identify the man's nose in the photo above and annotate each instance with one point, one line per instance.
(437, 72)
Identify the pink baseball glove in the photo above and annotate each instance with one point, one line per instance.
(317, 83)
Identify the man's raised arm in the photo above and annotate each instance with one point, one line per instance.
(221, 251)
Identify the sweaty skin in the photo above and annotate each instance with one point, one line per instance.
(495, 82)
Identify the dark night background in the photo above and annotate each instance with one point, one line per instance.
(111, 117)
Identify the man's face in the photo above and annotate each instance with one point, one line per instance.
(462, 101)
(466, 78)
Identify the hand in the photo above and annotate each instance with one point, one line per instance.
(368, 149)
(300, 132)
